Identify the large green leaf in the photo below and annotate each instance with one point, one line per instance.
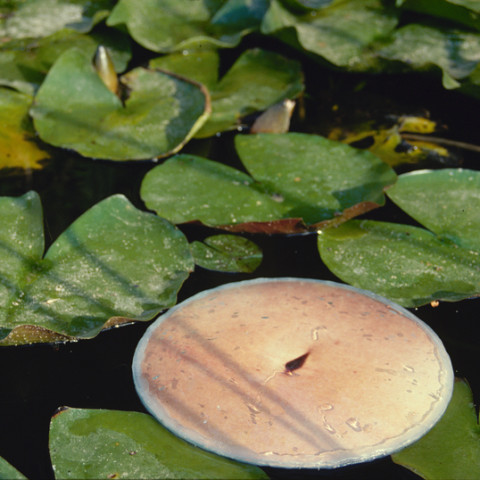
(227, 253)
(340, 33)
(257, 80)
(318, 178)
(445, 201)
(296, 177)
(186, 188)
(40, 18)
(94, 444)
(465, 12)
(174, 25)
(74, 109)
(18, 148)
(409, 265)
(113, 264)
(452, 448)
(455, 52)
(7, 472)
(25, 62)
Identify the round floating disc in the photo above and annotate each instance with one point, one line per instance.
(293, 373)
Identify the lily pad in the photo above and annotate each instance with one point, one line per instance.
(18, 148)
(257, 80)
(456, 53)
(337, 32)
(160, 115)
(411, 265)
(452, 448)
(7, 472)
(40, 18)
(227, 253)
(198, 65)
(406, 264)
(113, 264)
(173, 25)
(445, 201)
(298, 180)
(25, 62)
(465, 12)
(92, 444)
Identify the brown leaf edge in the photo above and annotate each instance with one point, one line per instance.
(30, 334)
(289, 226)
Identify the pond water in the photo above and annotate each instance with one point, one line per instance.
(38, 379)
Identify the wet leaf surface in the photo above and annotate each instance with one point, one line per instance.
(455, 52)
(113, 264)
(446, 201)
(161, 113)
(452, 448)
(406, 264)
(8, 472)
(257, 80)
(175, 25)
(40, 18)
(293, 177)
(337, 33)
(198, 65)
(227, 253)
(18, 148)
(92, 444)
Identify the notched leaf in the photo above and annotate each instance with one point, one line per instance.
(297, 183)
(115, 264)
(75, 109)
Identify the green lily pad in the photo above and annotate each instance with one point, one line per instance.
(25, 62)
(40, 18)
(7, 472)
(186, 188)
(93, 444)
(18, 148)
(113, 264)
(294, 180)
(257, 80)
(406, 264)
(173, 25)
(465, 12)
(456, 53)
(317, 177)
(411, 265)
(227, 253)
(198, 65)
(452, 448)
(74, 109)
(445, 201)
(338, 32)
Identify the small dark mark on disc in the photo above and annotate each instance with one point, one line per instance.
(296, 363)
